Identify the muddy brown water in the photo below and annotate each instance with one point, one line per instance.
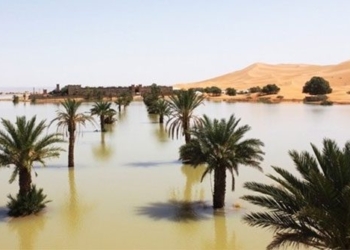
(129, 191)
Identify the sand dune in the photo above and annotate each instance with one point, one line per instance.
(289, 77)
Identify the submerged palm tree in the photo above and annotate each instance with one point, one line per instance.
(181, 105)
(162, 109)
(124, 99)
(103, 110)
(311, 209)
(220, 144)
(22, 144)
(68, 120)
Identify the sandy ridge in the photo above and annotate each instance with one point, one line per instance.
(289, 77)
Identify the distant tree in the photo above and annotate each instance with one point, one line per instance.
(270, 89)
(317, 86)
(231, 91)
(151, 97)
(123, 99)
(182, 105)
(103, 110)
(256, 89)
(197, 89)
(215, 91)
(15, 99)
(69, 120)
(163, 109)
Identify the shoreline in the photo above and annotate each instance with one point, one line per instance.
(248, 98)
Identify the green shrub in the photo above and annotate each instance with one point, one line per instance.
(15, 99)
(270, 89)
(317, 86)
(31, 203)
(231, 91)
(256, 89)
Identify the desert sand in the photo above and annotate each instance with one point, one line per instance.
(289, 77)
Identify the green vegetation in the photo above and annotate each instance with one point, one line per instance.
(214, 91)
(202, 90)
(162, 109)
(22, 144)
(231, 91)
(253, 90)
(270, 89)
(31, 203)
(151, 98)
(15, 99)
(124, 99)
(317, 86)
(68, 120)
(181, 105)
(220, 144)
(104, 111)
(310, 209)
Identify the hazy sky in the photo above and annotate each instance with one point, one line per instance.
(123, 42)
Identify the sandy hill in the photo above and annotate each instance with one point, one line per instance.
(289, 77)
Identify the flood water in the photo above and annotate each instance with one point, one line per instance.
(129, 191)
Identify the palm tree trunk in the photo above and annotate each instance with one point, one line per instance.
(161, 118)
(186, 132)
(25, 181)
(219, 187)
(71, 149)
(102, 121)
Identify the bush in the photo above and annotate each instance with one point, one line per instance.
(31, 203)
(215, 91)
(256, 89)
(270, 89)
(317, 86)
(15, 99)
(231, 91)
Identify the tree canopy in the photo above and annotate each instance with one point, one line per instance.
(270, 89)
(317, 86)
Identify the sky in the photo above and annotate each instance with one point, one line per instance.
(124, 42)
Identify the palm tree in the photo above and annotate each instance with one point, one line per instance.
(103, 110)
(181, 105)
(220, 144)
(68, 120)
(312, 208)
(22, 144)
(124, 99)
(162, 108)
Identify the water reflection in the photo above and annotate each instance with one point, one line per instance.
(102, 151)
(74, 210)
(122, 115)
(161, 133)
(193, 176)
(153, 118)
(27, 229)
(222, 240)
